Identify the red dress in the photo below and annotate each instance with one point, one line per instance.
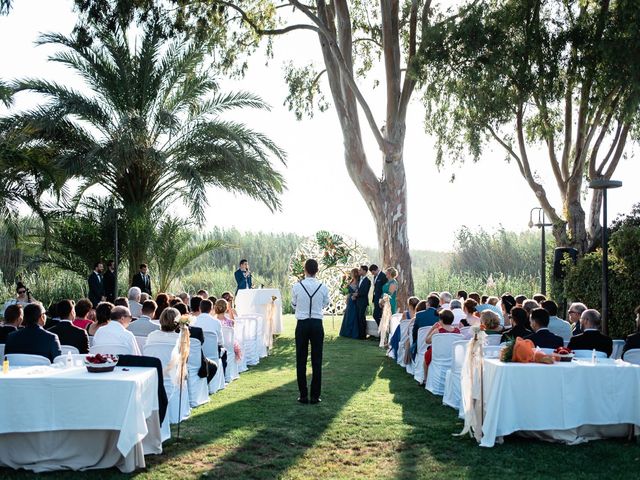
(427, 354)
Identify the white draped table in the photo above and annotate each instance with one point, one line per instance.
(570, 402)
(57, 419)
(256, 301)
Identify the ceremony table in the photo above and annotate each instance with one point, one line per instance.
(570, 402)
(256, 300)
(68, 418)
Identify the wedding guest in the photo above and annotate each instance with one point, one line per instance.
(162, 302)
(475, 296)
(221, 311)
(445, 300)
(23, 297)
(142, 280)
(207, 322)
(231, 312)
(530, 306)
(96, 284)
(591, 338)
(469, 309)
(483, 299)
(409, 314)
(539, 297)
(462, 295)
(491, 304)
(575, 312)
(116, 333)
(134, 301)
(67, 332)
(184, 296)
(560, 327)
(33, 339)
(203, 294)
(412, 303)
(444, 325)
(109, 279)
(12, 321)
(169, 319)
(143, 326)
(633, 340)
(350, 327)
(103, 313)
(379, 281)
(213, 299)
(507, 302)
(458, 313)
(391, 288)
(82, 308)
(144, 297)
(208, 368)
(425, 318)
(542, 337)
(520, 325)
(194, 305)
(122, 302)
(51, 316)
(490, 322)
(362, 301)
(520, 299)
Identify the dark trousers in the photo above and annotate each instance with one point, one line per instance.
(377, 310)
(362, 319)
(309, 331)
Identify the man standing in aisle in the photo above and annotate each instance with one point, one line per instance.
(96, 284)
(309, 297)
(109, 278)
(379, 279)
(142, 279)
(243, 276)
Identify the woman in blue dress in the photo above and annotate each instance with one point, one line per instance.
(349, 326)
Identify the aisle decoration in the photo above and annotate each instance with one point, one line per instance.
(472, 386)
(184, 346)
(385, 320)
(268, 331)
(524, 351)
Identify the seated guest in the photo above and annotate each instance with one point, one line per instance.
(462, 295)
(591, 338)
(194, 305)
(458, 313)
(475, 296)
(445, 300)
(633, 340)
(169, 319)
(507, 302)
(557, 326)
(491, 305)
(529, 306)
(12, 321)
(116, 333)
(427, 317)
(144, 296)
(221, 309)
(134, 301)
(410, 312)
(575, 312)
(208, 368)
(520, 299)
(207, 323)
(520, 325)
(184, 296)
(538, 297)
(213, 299)
(483, 299)
(490, 323)
(67, 332)
(122, 302)
(542, 337)
(444, 325)
(103, 313)
(143, 326)
(469, 309)
(51, 316)
(33, 339)
(203, 294)
(231, 311)
(162, 302)
(82, 309)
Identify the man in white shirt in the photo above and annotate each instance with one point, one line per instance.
(207, 323)
(309, 297)
(134, 301)
(458, 313)
(143, 326)
(115, 332)
(559, 327)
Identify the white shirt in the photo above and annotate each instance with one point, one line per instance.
(458, 315)
(209, 324)
(142, 326)
(135, 308)
(560, 327)
(301, 301)
(114, 333)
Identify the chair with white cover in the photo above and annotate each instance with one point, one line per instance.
(250, 344)
(409, 365)
(238, 333)
(589, 353)
(1, 350)
(68, 348)
(466, 332)
(26, 360)
(231, 373)
(112, 349)
(198, 387)
(210, 349)
(441, 360)
(491, 351)
(141, 341)
(493, 339)
(261, 343)
(452, 390)
(178, 408)
(77, 359)
(632, 356)
(418, 361)
(618, 345)
(404, 334)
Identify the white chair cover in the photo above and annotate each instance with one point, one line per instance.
(231, 373)
(77, 359)
(441, 360)
(632, 356)
(451, 395)
(2, 351)
(210, 349)
(250, 344)
(178, 408)
(493, 339)
(111, 349)
(396, 318)
(68, 348)
(466, 332)
(418, 362)
(409, 365)
(589, 353)
(198, 388)
(618, 345)
(141, 341)
(404, 335)
(26, 360)
(238, 331)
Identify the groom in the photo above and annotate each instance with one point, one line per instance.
(362, 301)
(379, 279)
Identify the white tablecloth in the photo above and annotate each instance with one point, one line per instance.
(119, 408)
(255, 301)
(560, 397)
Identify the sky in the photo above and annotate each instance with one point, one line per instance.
(320, 194)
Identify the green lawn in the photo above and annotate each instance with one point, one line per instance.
(256, 429)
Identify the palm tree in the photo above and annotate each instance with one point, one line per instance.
(148, 129)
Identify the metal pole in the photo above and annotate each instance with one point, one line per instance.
(543, 262)
(116, 261)
(605, 266)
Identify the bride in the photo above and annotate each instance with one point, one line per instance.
(349, 326)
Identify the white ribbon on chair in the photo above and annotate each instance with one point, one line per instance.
(472, 386)
(385, 320)
(271, 312)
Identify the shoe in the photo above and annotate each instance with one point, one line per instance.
(315, 400)
(303, 400)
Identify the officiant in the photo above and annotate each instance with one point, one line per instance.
(243, 276)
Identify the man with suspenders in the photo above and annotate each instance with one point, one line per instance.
(309, 297)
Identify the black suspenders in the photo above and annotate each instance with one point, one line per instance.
(310, 295)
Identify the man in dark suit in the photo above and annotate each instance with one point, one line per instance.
(379, 279)
(142, 280)
(243, 276)
(591, 338)
(520, 322)
(109, 279)
(67, 332)
(542, 337)
(96, 284)
(12, 321)
(426, 316)
(33, 339)
(633, 341)
(362, 301)
(575, 312)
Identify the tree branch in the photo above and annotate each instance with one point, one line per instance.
(260, 31)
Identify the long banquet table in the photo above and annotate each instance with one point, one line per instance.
(570, 402)
(67, 418)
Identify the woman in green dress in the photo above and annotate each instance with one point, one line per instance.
(391, 288)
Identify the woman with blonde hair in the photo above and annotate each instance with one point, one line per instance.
(349, 326)
(220, 311)
(391, 288)
(169, 319)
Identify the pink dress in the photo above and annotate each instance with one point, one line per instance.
(228, 322)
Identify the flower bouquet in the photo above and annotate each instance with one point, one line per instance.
(563, 354)
(100, 362)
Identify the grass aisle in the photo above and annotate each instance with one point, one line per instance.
(374, 422)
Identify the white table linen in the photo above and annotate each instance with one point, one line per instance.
(256, 301)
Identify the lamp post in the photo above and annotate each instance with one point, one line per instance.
(543, 246)
(605, 184)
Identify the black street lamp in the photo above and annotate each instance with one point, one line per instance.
(543, 247)
(604, 184)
